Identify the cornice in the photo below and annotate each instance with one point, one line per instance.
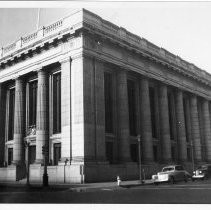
(60, 30)
(120, 36)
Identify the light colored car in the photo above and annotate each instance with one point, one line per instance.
(202, 172)
(171, 174)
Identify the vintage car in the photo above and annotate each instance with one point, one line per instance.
(171, 174)
(202, 172)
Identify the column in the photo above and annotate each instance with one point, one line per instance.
(146, 129)
(164, 124)
(195, 129)
(18, 146)
(2, 124)
(99, 111)
(181, 134)
(65, 109)
(123, 117)
(42, 124)
(207, 129)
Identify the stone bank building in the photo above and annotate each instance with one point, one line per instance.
(85, 89)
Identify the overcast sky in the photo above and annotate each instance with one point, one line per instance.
(183, 28)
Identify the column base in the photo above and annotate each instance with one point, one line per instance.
(39, 162)
(64, 161)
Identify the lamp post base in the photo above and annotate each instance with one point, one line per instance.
(45, 180)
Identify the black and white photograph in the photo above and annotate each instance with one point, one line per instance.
(105, 102)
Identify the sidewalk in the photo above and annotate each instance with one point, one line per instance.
(79, 187)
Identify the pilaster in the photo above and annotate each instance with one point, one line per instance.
(65, 109)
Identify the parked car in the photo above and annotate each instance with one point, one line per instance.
(202, 172)
(171, 174)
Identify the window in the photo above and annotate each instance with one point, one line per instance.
(188, 154)
(11, 113)
(155, 153)
(179, 168)
(109, 151)
(153, 111)
(170, 109)
(32, 154)
(134, 152)
(57, 153)
(173, 153)
(108, 90)
(132, 107)
(10, 156)
(57, 103)
(185, 104)
(32, 103)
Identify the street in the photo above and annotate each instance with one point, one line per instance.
(198, 192)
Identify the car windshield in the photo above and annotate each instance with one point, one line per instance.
(202, 168)
(168, 169)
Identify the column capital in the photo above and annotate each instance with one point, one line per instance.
(65, 60)
(38, 68)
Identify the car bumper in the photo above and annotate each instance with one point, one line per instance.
(200, 176)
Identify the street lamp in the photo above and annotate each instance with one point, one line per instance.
(27, 162)
(139, 157)
(192, 157)
(45, 174)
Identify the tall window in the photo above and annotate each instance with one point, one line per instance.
(10, 156)
(32, 103)
(132, 107)
(11, 113)
(134, 152)
(108, 90)
(153, 111)
(57, 103)
(32, 154)
(57, 153)
(201, 127)
(170, 109)
(186, 118)
(109, 151)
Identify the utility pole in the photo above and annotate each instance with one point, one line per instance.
(27, 164)
(45, 174)
(139, 157)
(192, 157)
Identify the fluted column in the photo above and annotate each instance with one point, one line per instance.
(164, 124)
(181, 133)
(195, 128)
(207, 129)
(123, 116)
(18, 147)
(65, 109)
(42, 125)
(146, 127)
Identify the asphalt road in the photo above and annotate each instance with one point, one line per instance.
(181, 193)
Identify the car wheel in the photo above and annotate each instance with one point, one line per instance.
(171, 180)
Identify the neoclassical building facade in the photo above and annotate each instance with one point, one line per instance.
(84, 89)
